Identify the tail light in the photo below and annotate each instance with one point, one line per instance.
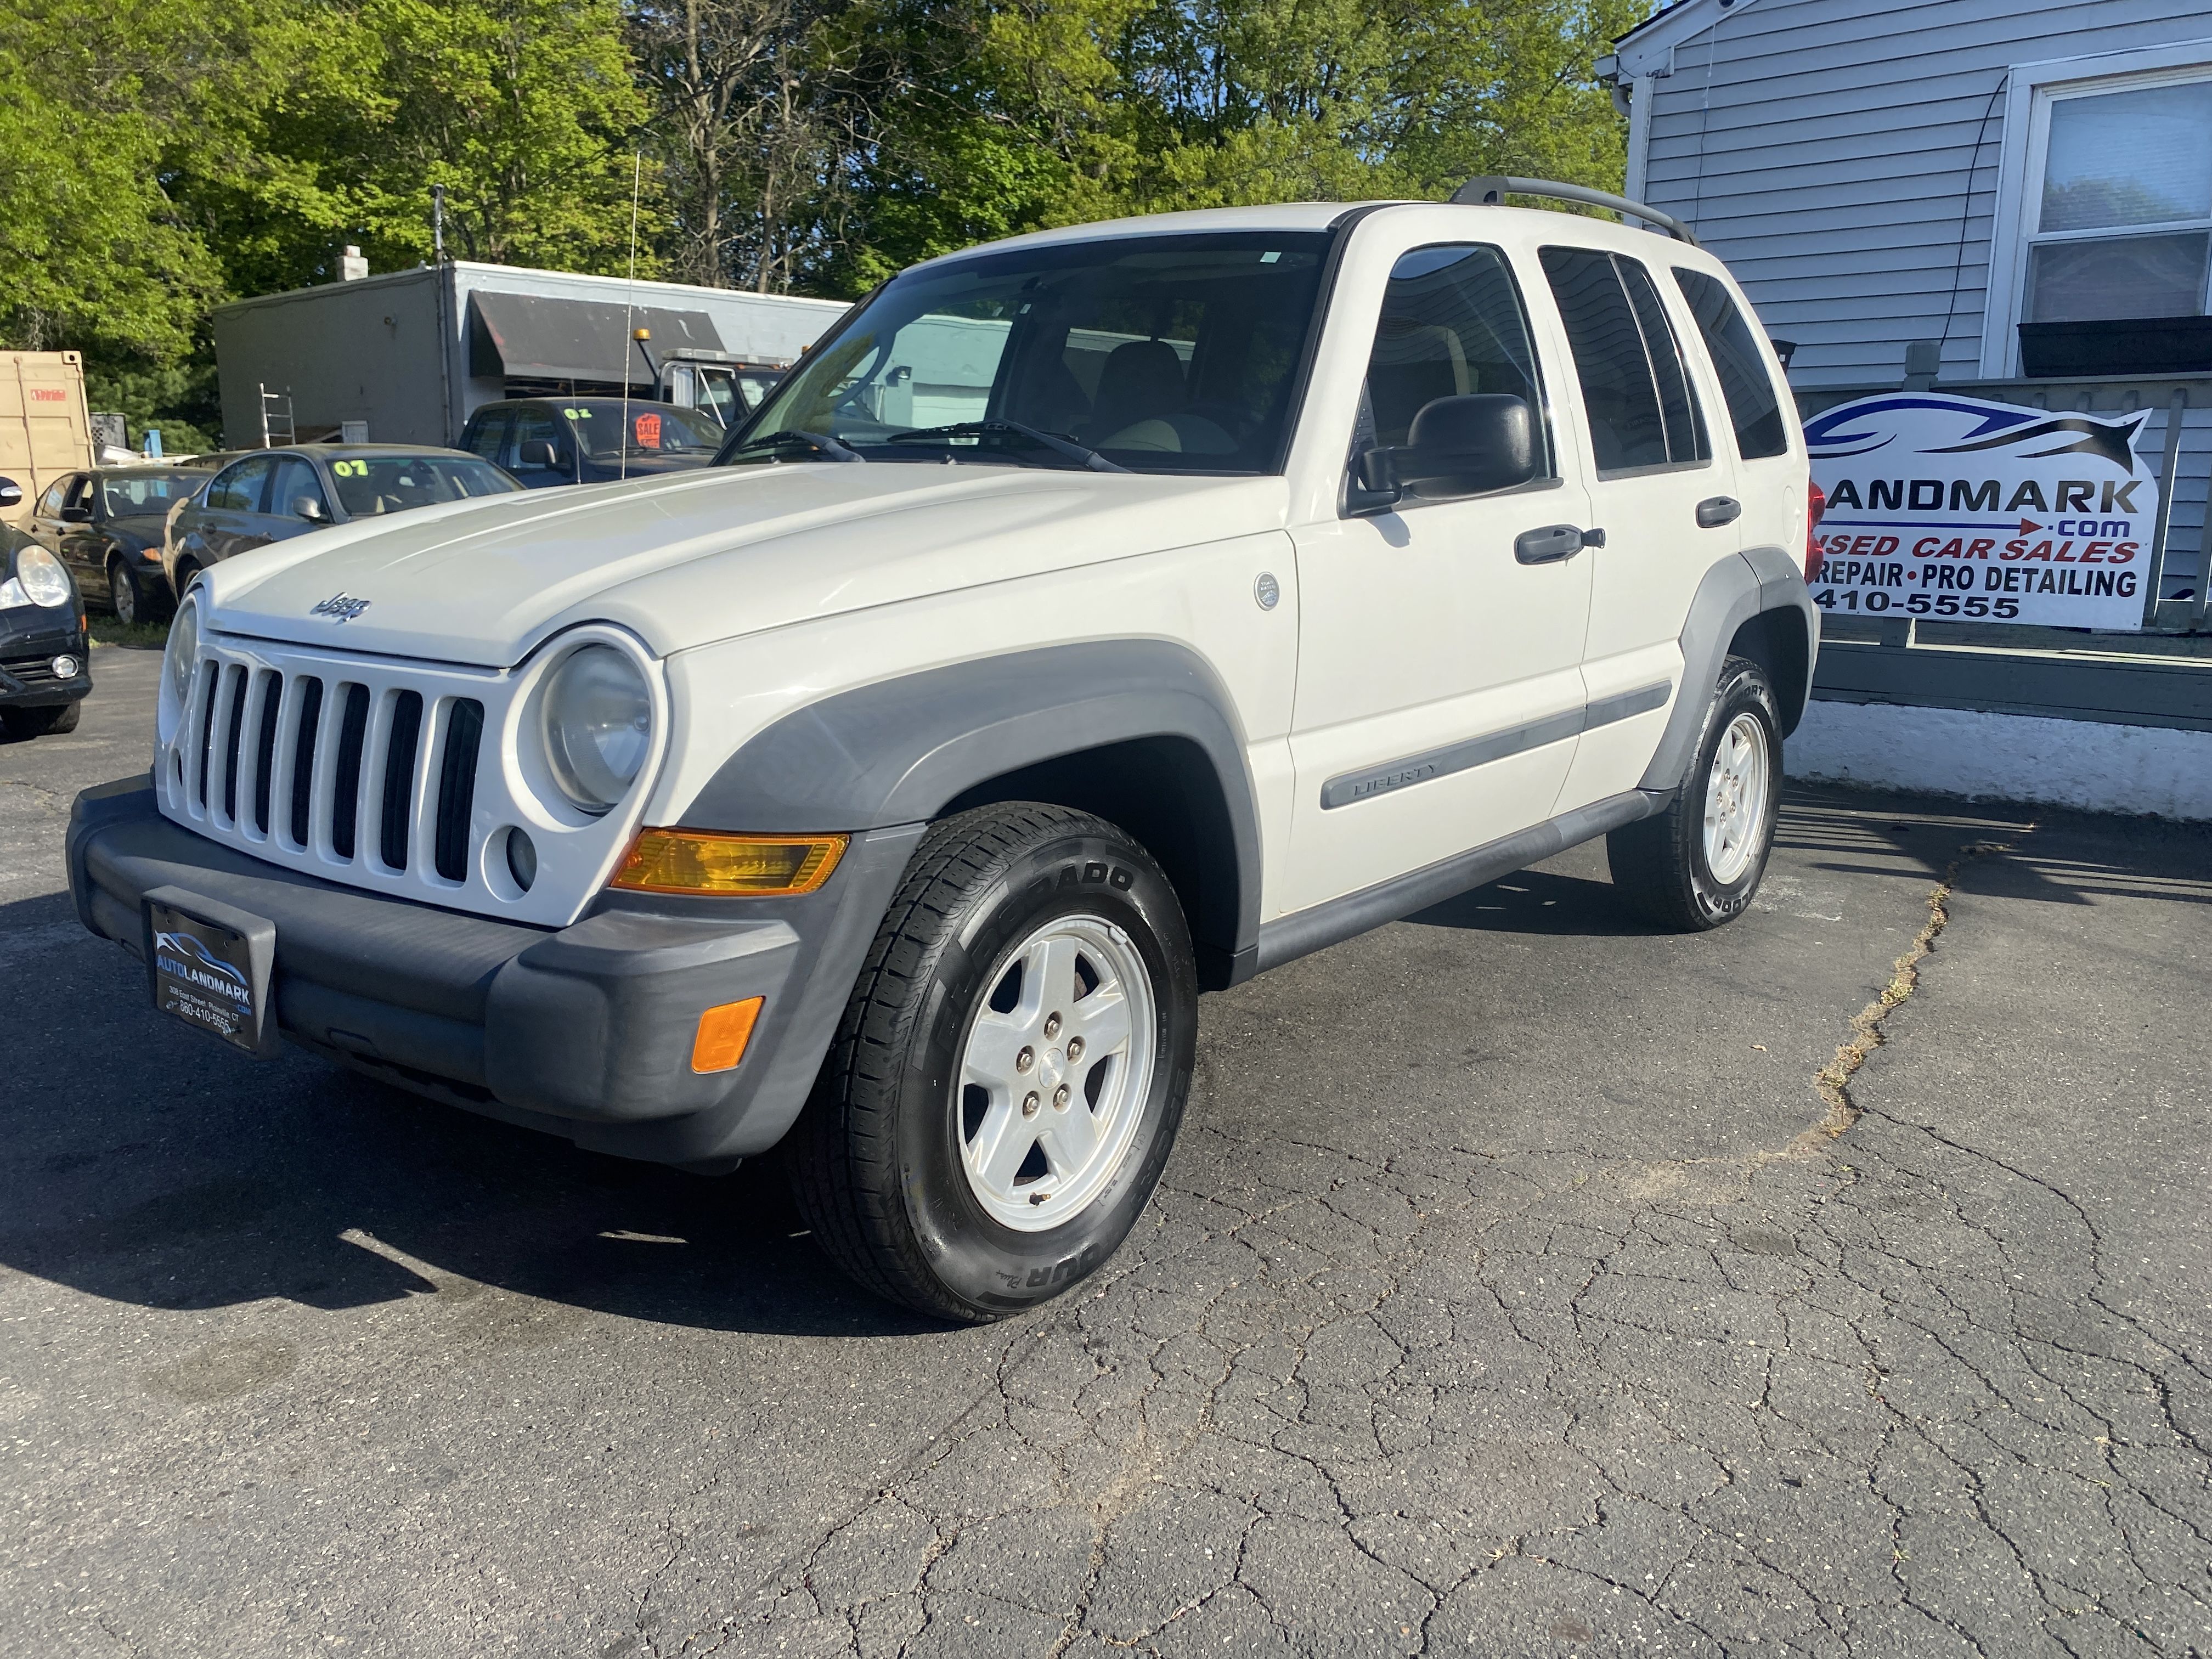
(1816, 507)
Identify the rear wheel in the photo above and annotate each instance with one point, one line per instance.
(1698, 863)
(129, 594)
(1010, 1074)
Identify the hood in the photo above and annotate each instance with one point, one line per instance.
(689, 559)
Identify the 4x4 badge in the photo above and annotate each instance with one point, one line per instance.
(340, 607)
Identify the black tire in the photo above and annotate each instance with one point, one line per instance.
(129, 597)
(1660, 864)
(875, 1160)
(25, 723)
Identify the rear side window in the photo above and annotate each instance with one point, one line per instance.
(239, 490)
(1452, 324)
(486, 434)
(1641, 407)
(1754, 408)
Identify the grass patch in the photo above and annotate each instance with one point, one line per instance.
(138, 637)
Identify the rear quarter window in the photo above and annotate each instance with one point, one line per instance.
(1754, 406)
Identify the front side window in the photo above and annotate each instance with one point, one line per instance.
(1452, 324)
(295, 482)
(2122, 222)
(1754, 408)
(238, 489)
(371, 485)
(1163, 354)
(1641, 408)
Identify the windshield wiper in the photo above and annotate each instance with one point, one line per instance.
(792, 435)
(1073, 451)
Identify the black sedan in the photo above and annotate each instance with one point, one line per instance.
(276, 494)
(106, 524)
(45, 666)
(564, 440)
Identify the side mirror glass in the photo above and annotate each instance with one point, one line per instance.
(1467, 446)
(537, 452)
(309, 507)
(11, 493)
(76, 515)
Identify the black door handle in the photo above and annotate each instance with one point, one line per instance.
(1553, 542)
(1714, 511)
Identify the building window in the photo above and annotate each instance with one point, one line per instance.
(2121, 223)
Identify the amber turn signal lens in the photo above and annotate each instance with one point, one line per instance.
(724, 1030)
(702, 862)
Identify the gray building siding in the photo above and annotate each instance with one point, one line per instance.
(1844, 157)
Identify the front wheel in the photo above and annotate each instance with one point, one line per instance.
(1698, 863)
(1010, 1074)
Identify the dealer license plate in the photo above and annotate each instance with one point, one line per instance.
(205, 974)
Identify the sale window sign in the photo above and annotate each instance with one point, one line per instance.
(1953, 507)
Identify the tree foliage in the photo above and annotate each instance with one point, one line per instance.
(157, 161)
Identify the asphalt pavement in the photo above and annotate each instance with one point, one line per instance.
(1525, 1283)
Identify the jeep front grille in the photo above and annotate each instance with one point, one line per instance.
(392, 775)
(356, 766)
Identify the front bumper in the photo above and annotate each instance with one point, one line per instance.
(585, 1031)
(27, 649)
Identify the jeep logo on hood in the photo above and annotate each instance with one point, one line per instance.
(340, 607)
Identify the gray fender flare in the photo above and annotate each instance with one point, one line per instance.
(899, 750)
(1737, 589)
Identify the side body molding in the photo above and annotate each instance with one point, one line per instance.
(1735, 591)
(900, 750)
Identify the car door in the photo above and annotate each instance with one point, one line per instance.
(1439, 684)
(227, 515)
(1665, 501)
(54, 526)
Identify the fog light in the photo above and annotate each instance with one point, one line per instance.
(702, 861)
(66, 668)
(521, 859)
(723, 1033)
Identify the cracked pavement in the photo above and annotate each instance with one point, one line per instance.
(1507, 1294)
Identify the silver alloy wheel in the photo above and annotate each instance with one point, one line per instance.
(1054, 1071)
(122, 594)
(1735, 799)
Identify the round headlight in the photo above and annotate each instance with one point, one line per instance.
(182, 649)
(598, 723)
(45, 581)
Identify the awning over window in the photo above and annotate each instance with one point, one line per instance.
(529, 337)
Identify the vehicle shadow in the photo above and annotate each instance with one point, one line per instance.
(148, 1164)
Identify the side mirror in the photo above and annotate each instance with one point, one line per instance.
(76, 515)
(309, 507)
(11, 493)
(1469, 445)
(537, 452)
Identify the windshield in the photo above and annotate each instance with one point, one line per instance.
(136, 495)
(1163, 354)
(369, 484)
(654, 429)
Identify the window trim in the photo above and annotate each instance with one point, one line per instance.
(2031, 89)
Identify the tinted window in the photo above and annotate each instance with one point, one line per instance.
(239, 490)
(1638, 402)
(1754, 408)
(1452, 324)
(133, 494)
(485, 435)
(295, 478)
(1166, 353)
(369, 484)
(536, 426)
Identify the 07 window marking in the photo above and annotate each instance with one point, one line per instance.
(1365, 784)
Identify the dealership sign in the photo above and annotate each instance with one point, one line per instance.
(1951, 507)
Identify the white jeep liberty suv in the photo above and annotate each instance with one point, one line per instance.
(1093, 618)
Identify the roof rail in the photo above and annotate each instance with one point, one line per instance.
(1491, 191)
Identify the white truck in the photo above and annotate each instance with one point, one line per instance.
(892, 788)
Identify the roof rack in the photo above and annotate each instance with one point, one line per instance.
(1491, 191)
